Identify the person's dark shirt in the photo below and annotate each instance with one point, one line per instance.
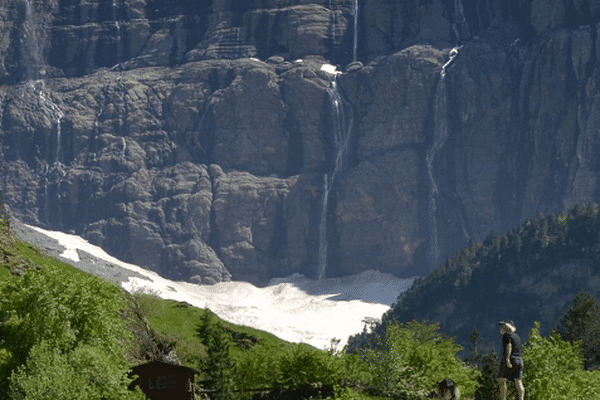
(515, 342)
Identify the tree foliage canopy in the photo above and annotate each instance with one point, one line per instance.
(581, 322)
(62, 337)
(554, 369)
(409, 359)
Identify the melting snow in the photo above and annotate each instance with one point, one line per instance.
(331, 69)
(296, 309)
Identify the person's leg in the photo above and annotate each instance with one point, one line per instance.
(502, 385)
(520, 388)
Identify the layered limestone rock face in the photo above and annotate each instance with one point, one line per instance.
(212, 140)
(74, 38)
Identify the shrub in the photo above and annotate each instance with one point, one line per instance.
(304, 365)
(62, 336)
(259, 368)
(411, 358)
(554, 369)
(87, 372)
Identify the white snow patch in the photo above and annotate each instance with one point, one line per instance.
(331, 69)
(296, 309)
(70, 254)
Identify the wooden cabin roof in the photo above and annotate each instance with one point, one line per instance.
(162, 368)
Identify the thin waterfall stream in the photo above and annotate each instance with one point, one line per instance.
(32, 43)
(119, 35)
(440, 134)
(355, 43)
(32, 36)
(123, 148)
(49, 107)
(341, 138)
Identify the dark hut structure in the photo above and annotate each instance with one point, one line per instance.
(162, 380)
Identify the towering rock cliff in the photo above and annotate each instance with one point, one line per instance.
(202, 139)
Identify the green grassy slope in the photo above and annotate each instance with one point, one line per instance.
(156, 325)
(180, 321)
(175, 321)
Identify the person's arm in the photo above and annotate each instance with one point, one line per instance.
(507, 354)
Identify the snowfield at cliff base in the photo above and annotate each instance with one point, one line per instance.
(296, 308)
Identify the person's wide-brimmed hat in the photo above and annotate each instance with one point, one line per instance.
(509, 324)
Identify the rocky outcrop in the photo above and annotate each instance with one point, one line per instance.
(73, 38)
(134, 161)
(196, 139)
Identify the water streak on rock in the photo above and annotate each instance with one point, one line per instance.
(124, 147)
(459, 24)
(355, 44)
(440, 135)
(50, 108)
(341, 136)
(31, 43)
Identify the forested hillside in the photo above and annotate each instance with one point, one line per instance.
(532, 273)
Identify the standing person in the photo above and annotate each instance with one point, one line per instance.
(511, 365)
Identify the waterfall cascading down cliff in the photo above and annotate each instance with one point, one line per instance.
(341, 137)
(32, 57)
(459, 25)
(121, 103)
(355, 38)
(52, 110)
(119, 40)
(123, 148)
(49, 107)
(440, 134)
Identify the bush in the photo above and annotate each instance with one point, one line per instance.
(304, 365)
(87, 372)
(62, 337)
(259, 368)
(554, 369)
(409, 360)
(298, 366)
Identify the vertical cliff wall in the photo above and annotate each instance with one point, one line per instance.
(195, 138)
